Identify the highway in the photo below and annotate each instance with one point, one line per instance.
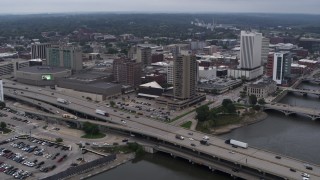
(251, 157)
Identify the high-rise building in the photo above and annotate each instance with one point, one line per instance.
(269, 66)
(185, 77)
(250, 50)
(265, 50)
(38, 50)
(65, 56)
(170, 73)
(144, 55)
(127, 72)
(282, 67)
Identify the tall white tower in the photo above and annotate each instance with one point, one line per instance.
(250, 50)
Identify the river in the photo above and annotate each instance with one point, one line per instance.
(296, 136)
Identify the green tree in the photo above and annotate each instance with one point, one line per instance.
(90, 128)
(112, 103)
(202, 113)
(243, 94)
(3, 125)
(112, 51)
(253, 99)
(261, 101)
(2, 104)
(59, 140)
(231, 108)
(256, 107)
(226, 102)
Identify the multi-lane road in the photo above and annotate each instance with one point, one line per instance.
(252, 157)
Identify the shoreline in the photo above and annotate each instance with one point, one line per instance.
(260, 116)
(121, 159)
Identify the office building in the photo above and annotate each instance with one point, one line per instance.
(65, 56)
(169, 69)
(185, 77)
(265, 50)
(144, 55)
(250, 56)
(38, 50)
(282, 67)
(127, 72)
(269, 66)
(250, 50)
(262, 89)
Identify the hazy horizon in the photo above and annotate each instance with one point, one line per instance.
(165, 6)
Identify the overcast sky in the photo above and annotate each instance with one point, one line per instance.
(192, 6)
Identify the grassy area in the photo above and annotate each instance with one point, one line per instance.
(5, 130)
(223, 120)
(94, 136)
(129, 148)
(187, 125)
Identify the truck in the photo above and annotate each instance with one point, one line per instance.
(63, 101)
(69, 116)
(103, 113)
(237, 143)
(179, 137)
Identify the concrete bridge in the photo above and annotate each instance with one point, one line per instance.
(304, 91)
(288, 109)
(251, 159)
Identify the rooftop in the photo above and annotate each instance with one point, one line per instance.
(42, 69)
(152, 84)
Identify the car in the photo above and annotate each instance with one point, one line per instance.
(293, 170)
(231, 152)
(190, 133)
(278, 157)
(305, 175)
(125, 140)
(191, 139)
(305, 178)
(205, 137)
(192, 144)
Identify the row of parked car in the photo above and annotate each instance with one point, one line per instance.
(14, 172)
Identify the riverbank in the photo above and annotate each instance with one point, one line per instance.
(247, 120)
(121, 159)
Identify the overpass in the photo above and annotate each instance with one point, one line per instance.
(289, 109)
(260, 160)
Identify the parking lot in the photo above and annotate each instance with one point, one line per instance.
(144, 107)
(33, 158)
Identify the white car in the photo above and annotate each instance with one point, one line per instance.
(205, 138)
(191, 139)
(305, 175)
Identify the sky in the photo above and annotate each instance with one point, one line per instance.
(149, 6)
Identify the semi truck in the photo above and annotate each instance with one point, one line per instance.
(69, 116)
(103, 113)
(237, 143)
(63, 101)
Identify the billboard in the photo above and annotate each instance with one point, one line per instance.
(47, 77)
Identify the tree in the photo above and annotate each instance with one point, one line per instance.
(253, 99)
(3, 125)
(112, 103)
(90, 128)
(226, 102)
(202, 113)
(2, 104)
(256, 107)
(261, 101)
(112, 51)
(59, 140)
(243, 94)
(231, 108)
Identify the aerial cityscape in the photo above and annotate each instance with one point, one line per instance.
(191, 90)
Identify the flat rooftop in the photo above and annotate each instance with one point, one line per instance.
(42, 69)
